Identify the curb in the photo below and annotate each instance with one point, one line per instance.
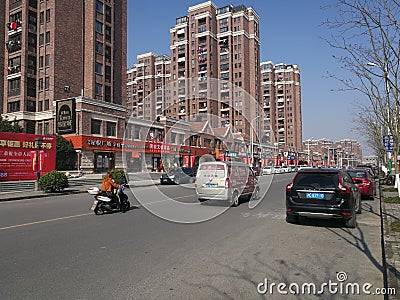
(63, 193)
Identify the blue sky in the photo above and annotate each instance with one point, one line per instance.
(290, 33)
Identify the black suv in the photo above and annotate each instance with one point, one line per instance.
(323, 193)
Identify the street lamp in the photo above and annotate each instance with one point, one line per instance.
(387, 90)
(38, 142)
(251, 140)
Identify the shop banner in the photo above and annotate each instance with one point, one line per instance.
(18, 156)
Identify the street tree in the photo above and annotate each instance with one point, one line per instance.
(7, 126)
(366, 34)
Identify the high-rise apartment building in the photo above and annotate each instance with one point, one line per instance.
(66, 49)
(281, 98)
(55, 53)
(148, 86)
(211, 44)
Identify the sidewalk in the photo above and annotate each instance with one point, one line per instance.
(391, 213)
(78, 185)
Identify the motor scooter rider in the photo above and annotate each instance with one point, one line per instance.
(108, 185)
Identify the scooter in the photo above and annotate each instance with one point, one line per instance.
(104, 203)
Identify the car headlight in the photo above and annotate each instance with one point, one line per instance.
(171, 176)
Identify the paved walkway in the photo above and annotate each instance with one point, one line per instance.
(391, 213)
(81, 185)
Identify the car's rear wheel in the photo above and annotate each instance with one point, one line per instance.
(352, 221)
(358, 206)
(235, 199)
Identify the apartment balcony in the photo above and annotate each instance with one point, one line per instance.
(225, 108)
(14, 27)
(201, 50)
(202, 59)
(181, 59)
(13, 70)
(223, 50)
(203, 108)
(15, 4)
(203, 78)
(224, 87)
(13, 46)
(267, 105)
(202, 95)
(203, 87)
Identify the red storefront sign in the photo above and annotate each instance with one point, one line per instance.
(18, 156)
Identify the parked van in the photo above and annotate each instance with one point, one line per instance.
(227, 181)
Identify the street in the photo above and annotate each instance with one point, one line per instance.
(56, 248)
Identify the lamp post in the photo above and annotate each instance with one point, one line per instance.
(38, 142)
(387, 92)
(251, 140)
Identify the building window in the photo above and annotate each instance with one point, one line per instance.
(99, 47)
(47, 83)
(98, 68)
(98, 89)
(41, 61)
(41, 17)
(13, 106)
(14, 87)
(111, 129)
(108, 54)
(99, 27)
(107, 93)
(40, 105)
(40, 129)
(46, 128)
(47, 41)
(46, 104)
(99, 7)
(108, 14)
(40, 84)
(108, 74)
(48, 15)
(108, 34)
(47, 60)
(95, 126)
(136, 133)
(41, 39)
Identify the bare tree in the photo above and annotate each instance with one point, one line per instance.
(366, 33)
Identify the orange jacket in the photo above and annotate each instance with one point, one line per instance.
(108, 183)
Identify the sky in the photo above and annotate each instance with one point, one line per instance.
(290, 33)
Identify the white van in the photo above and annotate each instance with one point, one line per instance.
(227, 181)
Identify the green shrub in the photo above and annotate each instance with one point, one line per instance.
(389, 189)
(395, 226)
(392, 200)
(54, 181)
(119, 176)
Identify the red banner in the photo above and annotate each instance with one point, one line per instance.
(18, 154)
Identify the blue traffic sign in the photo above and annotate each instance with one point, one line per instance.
(388, 142)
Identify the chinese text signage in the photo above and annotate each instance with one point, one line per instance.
(16, 159)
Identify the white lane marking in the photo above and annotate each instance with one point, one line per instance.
(45, 221)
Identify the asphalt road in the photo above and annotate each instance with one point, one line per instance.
(55, 248)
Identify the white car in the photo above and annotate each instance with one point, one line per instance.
(285, 169)
(267, 170)
(278, 170)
